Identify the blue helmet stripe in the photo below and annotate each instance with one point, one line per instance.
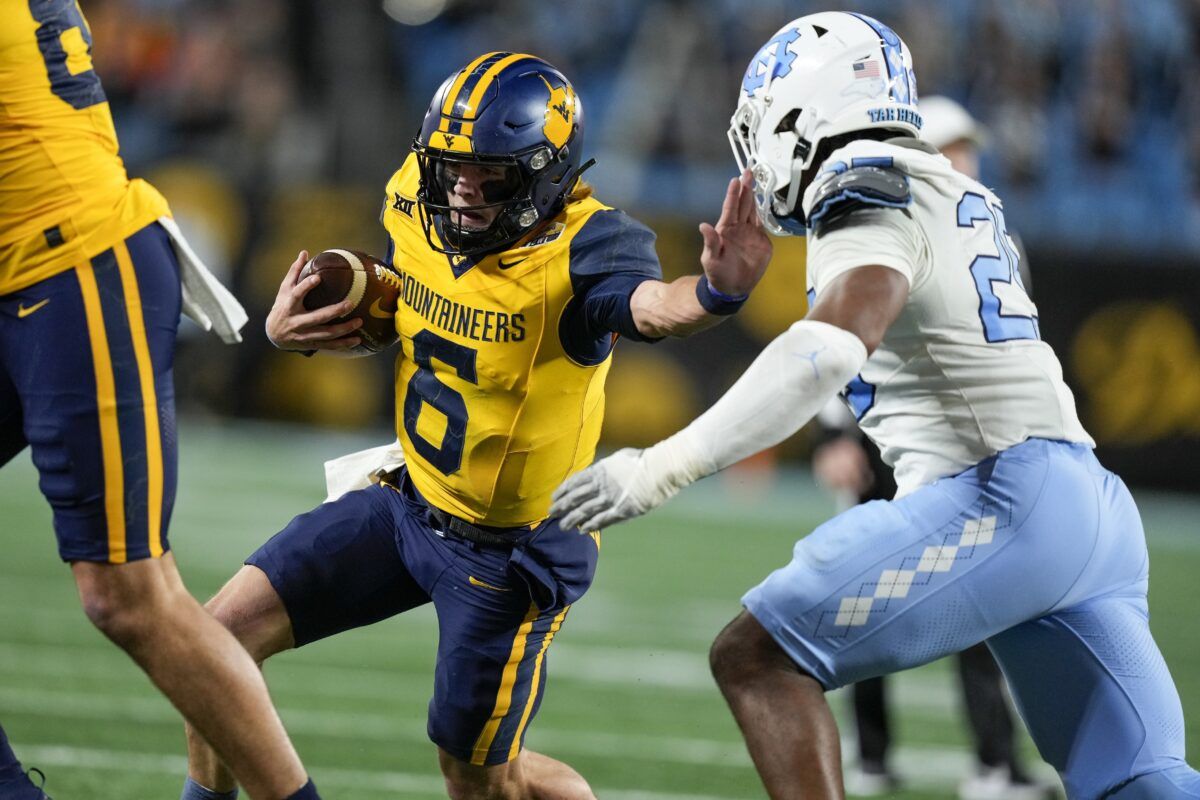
(893, 59)
(464, 94)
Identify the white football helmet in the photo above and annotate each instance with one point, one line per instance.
(820, 76)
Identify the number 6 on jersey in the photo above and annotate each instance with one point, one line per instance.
(424, 387)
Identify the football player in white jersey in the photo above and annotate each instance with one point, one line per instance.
(1005, 527)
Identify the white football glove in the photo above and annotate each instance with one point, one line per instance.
(785, 386)
(625, 485)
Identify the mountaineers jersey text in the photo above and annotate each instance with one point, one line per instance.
(480, 325)
(500, 385)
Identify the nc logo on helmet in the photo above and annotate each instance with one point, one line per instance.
(560, 114)
(773, 52)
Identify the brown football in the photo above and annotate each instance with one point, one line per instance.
(373, 285)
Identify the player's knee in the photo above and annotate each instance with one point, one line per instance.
(741, 649)
(745, 653)
(105, 614)
(723, 657)
(225, 610)
(251, 610)
(126, 602)
(115, 613)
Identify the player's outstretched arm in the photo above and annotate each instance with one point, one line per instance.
(735, 256)
(291, 327)
(783, 389)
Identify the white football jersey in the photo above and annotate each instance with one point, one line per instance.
(962, 373)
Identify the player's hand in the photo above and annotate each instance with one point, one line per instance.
(737, 249)
(612, 490)
(290, 326)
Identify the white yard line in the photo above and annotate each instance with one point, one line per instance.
(377, 780)
(356, 725)
(922, 766)
(381, 727)
(159, 764)
(632, 669)
(919, 768)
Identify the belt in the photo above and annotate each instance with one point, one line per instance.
(465, 530)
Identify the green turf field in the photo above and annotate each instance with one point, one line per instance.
(630, 702)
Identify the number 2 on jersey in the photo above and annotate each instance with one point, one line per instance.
(989, 270)
(424, 387)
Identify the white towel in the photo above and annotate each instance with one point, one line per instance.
(360, 470)
(209, 304)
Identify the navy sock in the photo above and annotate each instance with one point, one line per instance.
(14, 782)
(306, 792)
(10, 768)
(194, 791)
(9, 763)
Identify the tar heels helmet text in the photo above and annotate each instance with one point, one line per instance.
(821, 76)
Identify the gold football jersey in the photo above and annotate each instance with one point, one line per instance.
(491, 408)
(64, 194)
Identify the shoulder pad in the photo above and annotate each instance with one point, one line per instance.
(859, 185)
(612, 241)
(610, 223)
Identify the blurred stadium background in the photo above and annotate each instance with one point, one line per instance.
(272, 125)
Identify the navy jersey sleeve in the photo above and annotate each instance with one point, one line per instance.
(610, 257)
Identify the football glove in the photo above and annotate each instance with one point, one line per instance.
(625, 485)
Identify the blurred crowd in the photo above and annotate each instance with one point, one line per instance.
(273, 125)
(1096, 124)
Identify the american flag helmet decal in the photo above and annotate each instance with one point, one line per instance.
(868, 68)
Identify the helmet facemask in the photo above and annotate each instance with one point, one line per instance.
(505, 198)
(777, 197)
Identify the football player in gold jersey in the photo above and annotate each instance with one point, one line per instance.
(515, 284)
(89, 303)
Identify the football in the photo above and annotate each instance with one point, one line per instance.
(373, 285)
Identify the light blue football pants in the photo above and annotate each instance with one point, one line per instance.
(1040, 551)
